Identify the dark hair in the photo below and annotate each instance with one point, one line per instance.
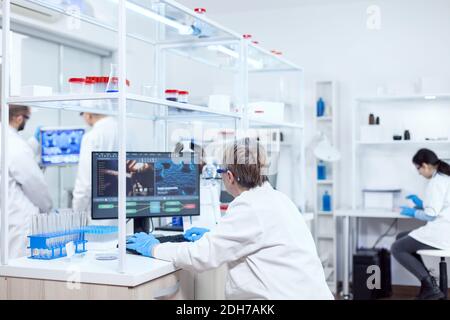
(16, 110)
(429, 157)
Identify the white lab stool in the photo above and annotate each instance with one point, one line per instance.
(443, 284)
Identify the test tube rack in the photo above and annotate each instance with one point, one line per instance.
(51, 246)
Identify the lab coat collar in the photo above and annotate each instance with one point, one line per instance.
(265, 185)
(13, 130)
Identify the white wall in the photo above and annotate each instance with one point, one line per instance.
(331, 41)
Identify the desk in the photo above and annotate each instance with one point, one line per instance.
(85, 277)
(347, 214)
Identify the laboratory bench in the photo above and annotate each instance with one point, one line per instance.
(85, 277)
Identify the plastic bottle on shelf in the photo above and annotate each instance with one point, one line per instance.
(320, 107)
(171, 95)
(76, 85)
(101, 84)
(407, 135)
(89, 86)
(326, 202)
(321, 171)
(183, 96)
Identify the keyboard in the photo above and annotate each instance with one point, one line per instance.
(174, 238)
(162, 239)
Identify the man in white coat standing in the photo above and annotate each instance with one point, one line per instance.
(102, 137)
(28, 191)
(263, 238)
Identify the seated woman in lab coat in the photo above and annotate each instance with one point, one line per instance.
(263, 239)
(435, 209)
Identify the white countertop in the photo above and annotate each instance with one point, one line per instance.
(364, 213)
(139, 269)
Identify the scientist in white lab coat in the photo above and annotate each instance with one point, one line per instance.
(102, 137)
(263, 239)
(28, 191)
(435, 210)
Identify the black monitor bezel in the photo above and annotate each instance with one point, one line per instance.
(140, 216)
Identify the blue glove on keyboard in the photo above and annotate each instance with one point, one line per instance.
(417, 201)
(407, 211)
(194, 234)
(143, 243)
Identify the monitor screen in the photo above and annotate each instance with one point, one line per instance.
(159, 184)
(60, 146)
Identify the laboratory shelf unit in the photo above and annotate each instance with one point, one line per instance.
(170, 28)
(325, 222)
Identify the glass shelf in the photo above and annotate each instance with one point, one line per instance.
(168, 23)
(223, 56)
(140, 107)
(151, 21)
(137, 106)
(261, 60)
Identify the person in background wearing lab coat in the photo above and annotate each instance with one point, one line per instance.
(435, 210)
(102, 137)
(262, 238)
(28, 192)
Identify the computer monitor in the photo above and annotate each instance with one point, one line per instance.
(159, 184)
(60, 146)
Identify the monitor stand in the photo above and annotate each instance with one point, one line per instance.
(141, 225)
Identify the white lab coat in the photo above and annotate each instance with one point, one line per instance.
(267, 246)
(436, 203)
(28, 193)
(102, 137)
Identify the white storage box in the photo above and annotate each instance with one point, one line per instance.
(384, 199)
(266, 110)
(36, 91)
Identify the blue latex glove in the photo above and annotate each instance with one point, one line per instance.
(37, 133)
(142, 243)
(409, 212)
(194, 234)
(417, 201)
